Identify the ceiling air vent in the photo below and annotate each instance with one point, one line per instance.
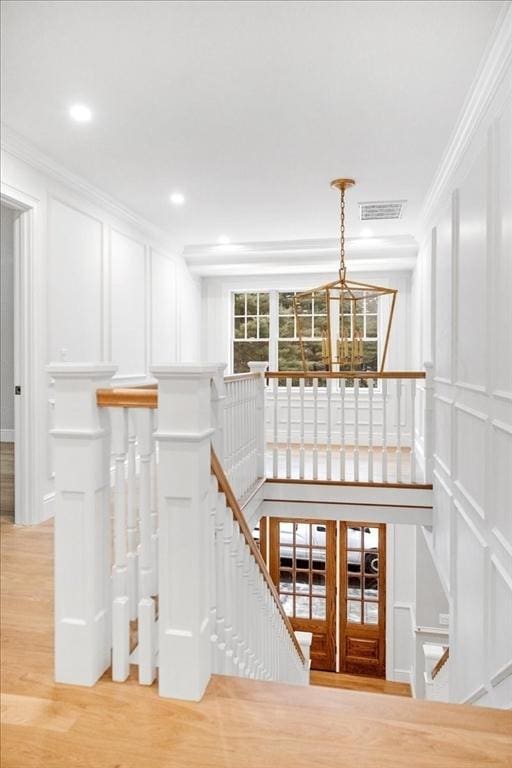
(388, 209)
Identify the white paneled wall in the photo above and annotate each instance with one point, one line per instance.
(463, 314)
(107, 286)
(128, 280)
(75, 256)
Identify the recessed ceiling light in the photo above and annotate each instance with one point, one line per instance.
(366, 232)
(177, 198)
(223, 240)
(80, 113)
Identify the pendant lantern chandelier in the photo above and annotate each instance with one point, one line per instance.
(347, 343)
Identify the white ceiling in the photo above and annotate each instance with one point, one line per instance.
(249, 108)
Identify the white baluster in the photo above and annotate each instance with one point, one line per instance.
(301, 450)
(413, 431)
(384, 431)
(356, 430)
(342, 429)
(398, 452)
(328, 458)
(288, 428)
(146, 612)
(121, 604)
(315, 429)
(246, 569)
(154, 507)
(131, 516)
(370, 430)
(275, 452)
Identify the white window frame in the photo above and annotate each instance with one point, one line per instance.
(273, 339)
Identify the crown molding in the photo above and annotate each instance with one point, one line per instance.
(17, 146)
(495, 62)
(301, 256)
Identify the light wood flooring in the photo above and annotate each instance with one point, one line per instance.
(359, 683)
(7, 479)
(239, 723)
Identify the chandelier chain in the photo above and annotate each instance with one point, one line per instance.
(342, 231)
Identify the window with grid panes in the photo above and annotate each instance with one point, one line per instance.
(302, 575)
(366, 323)
(251, 329)
(257, 320)
(313, 324)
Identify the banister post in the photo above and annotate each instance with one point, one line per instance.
(260, 368)
(429, 422)
(218, 392)
(184, 434)
(81, 440)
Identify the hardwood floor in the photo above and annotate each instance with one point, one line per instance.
(359, 683)
(239, 723)
(7, 479)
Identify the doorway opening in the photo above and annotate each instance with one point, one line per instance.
(331, 578)
(9, 217)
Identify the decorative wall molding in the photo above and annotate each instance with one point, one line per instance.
(487, 80)
(17, 146)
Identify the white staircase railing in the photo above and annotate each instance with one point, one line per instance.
(165, 536)
(243, 457)
(251, 634)
(348, 426)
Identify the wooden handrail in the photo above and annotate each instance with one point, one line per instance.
(133, 397)
(441, 662)
(241, 377)
(232, 502)
(345, 375)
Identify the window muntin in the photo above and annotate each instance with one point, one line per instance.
(264, 327)
(250, 329)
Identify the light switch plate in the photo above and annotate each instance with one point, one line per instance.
(444, 619)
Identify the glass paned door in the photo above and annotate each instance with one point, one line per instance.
(302, 565)
(362, 603)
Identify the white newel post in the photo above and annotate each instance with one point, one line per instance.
(81, 437)
(429, 422)
(261, 368)
(183, 435)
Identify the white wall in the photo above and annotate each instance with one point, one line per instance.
(107, 287)
(8, 217)
(400, 605)
(461, 291)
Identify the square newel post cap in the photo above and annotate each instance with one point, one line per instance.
(75, 395)
(184, 371)
(84, 371)
(257, 366)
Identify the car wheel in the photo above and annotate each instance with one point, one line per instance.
(371, 562)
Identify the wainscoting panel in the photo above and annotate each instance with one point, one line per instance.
(128, 311)
(471, 269)
(74, 281)
(163, 309)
